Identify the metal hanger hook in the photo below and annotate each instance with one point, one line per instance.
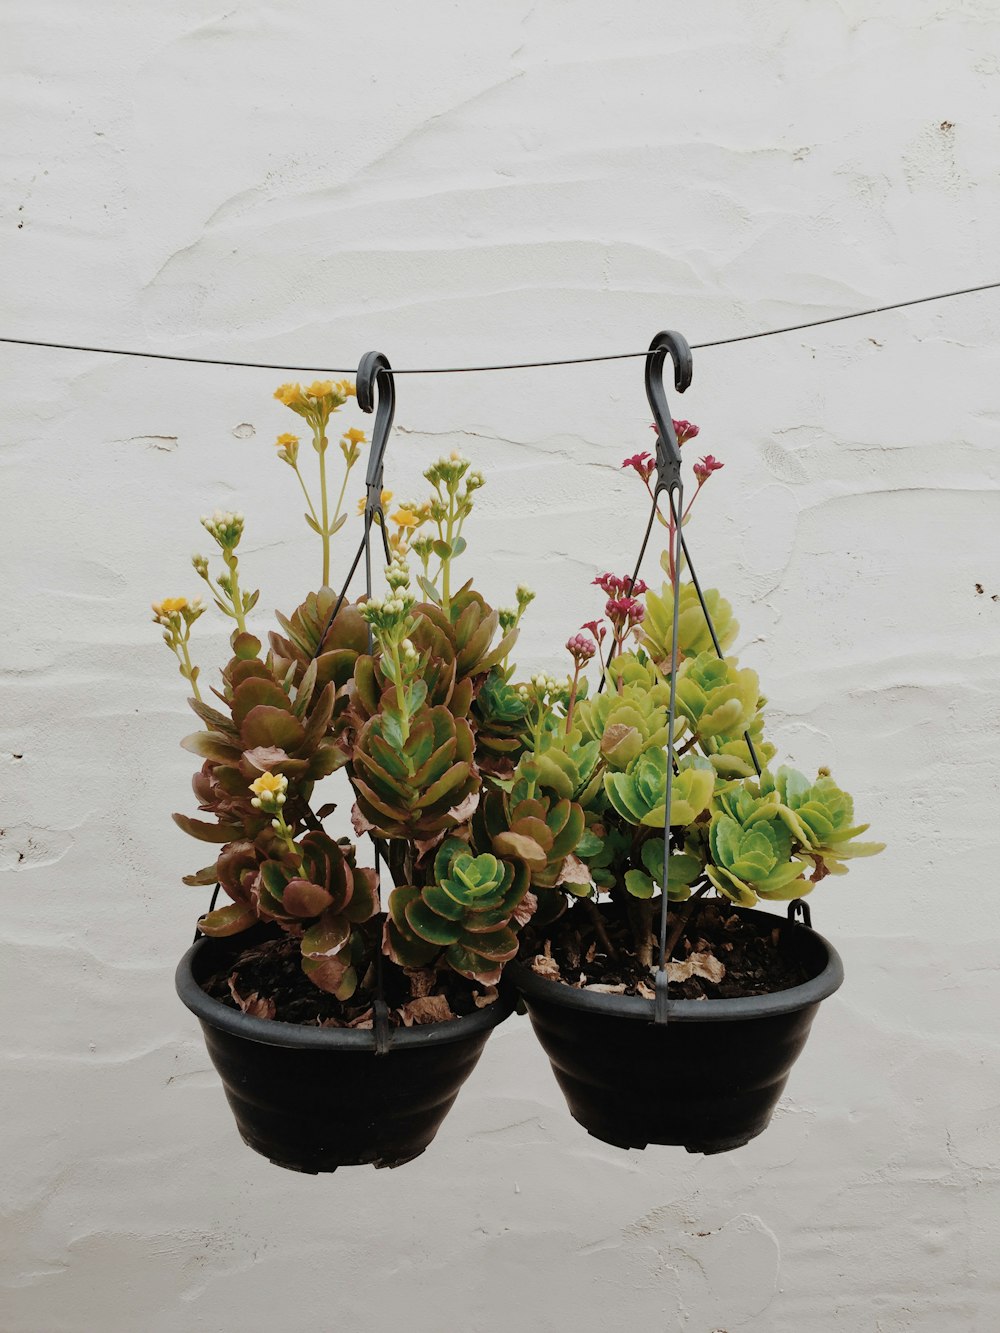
(668, 454)
(374, 371)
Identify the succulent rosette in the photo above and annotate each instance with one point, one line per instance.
(463, 916)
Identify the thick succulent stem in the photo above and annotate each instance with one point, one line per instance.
(597, 921)
(684, 916)
(640, 912)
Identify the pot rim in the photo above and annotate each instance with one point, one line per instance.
(820, 987)
(273, 1032)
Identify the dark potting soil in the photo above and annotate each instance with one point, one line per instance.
(267, 981)
(723, 955)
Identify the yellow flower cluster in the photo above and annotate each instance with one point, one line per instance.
(169, 605)
(270, 784)
(315, 401)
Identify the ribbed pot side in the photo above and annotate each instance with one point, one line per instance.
(315, 1099)
(708, 1080)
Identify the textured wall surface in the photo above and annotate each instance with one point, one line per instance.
(303, 181)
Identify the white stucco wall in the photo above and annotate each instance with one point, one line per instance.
(304, 181)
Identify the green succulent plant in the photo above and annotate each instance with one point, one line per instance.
(693, 636)
(684, 869)
(628, 723)
(537, 819)
(716, 696)
(639, 795)
(464, 915)
(820, 817)
(752, 851)
(499, 713)
(412, 787)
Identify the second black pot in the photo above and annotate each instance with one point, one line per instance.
(315, 1099)
(708, 1080)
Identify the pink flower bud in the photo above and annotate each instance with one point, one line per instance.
(580, 648)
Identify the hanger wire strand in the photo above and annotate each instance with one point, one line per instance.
(508, 365)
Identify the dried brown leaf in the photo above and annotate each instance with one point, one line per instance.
(573, 871)
(525, 909)
(545, 965)
(486, 997)
(252, 1004)
(421, 980)
(426, 1009)
(464, 811)
(708, 966)
(358, 821)
(680, 971)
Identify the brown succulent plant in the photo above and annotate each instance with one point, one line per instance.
(414, 701)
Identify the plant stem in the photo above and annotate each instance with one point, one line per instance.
(235, 595)
(446, 562)
(597, 921)
(312, 507)
(340, 498)
(189, 673)
(572, 700)
(324, 503)
(684, 915)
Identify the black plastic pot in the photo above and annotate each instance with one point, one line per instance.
(708, 1079)
(314, 1099)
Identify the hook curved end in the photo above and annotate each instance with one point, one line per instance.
(370, 368)
(668, 455)
(669, 340)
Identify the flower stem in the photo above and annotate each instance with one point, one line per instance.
(324, 521)
(312, 507)
(188, 668)
(235, 595)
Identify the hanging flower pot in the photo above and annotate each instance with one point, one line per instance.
(313, 1099)
(672, 1019)
(708, 1079)
(341, 1032)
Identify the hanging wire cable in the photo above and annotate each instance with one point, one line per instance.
(507, 365)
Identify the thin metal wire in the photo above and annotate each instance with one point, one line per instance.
(715, 638)
(675, 493)
(509, 365)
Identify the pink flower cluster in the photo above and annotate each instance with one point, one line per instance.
(684, 430)
(706, 467)
(581, 649)
(643, 464)
(620, 585)
(623, 608)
